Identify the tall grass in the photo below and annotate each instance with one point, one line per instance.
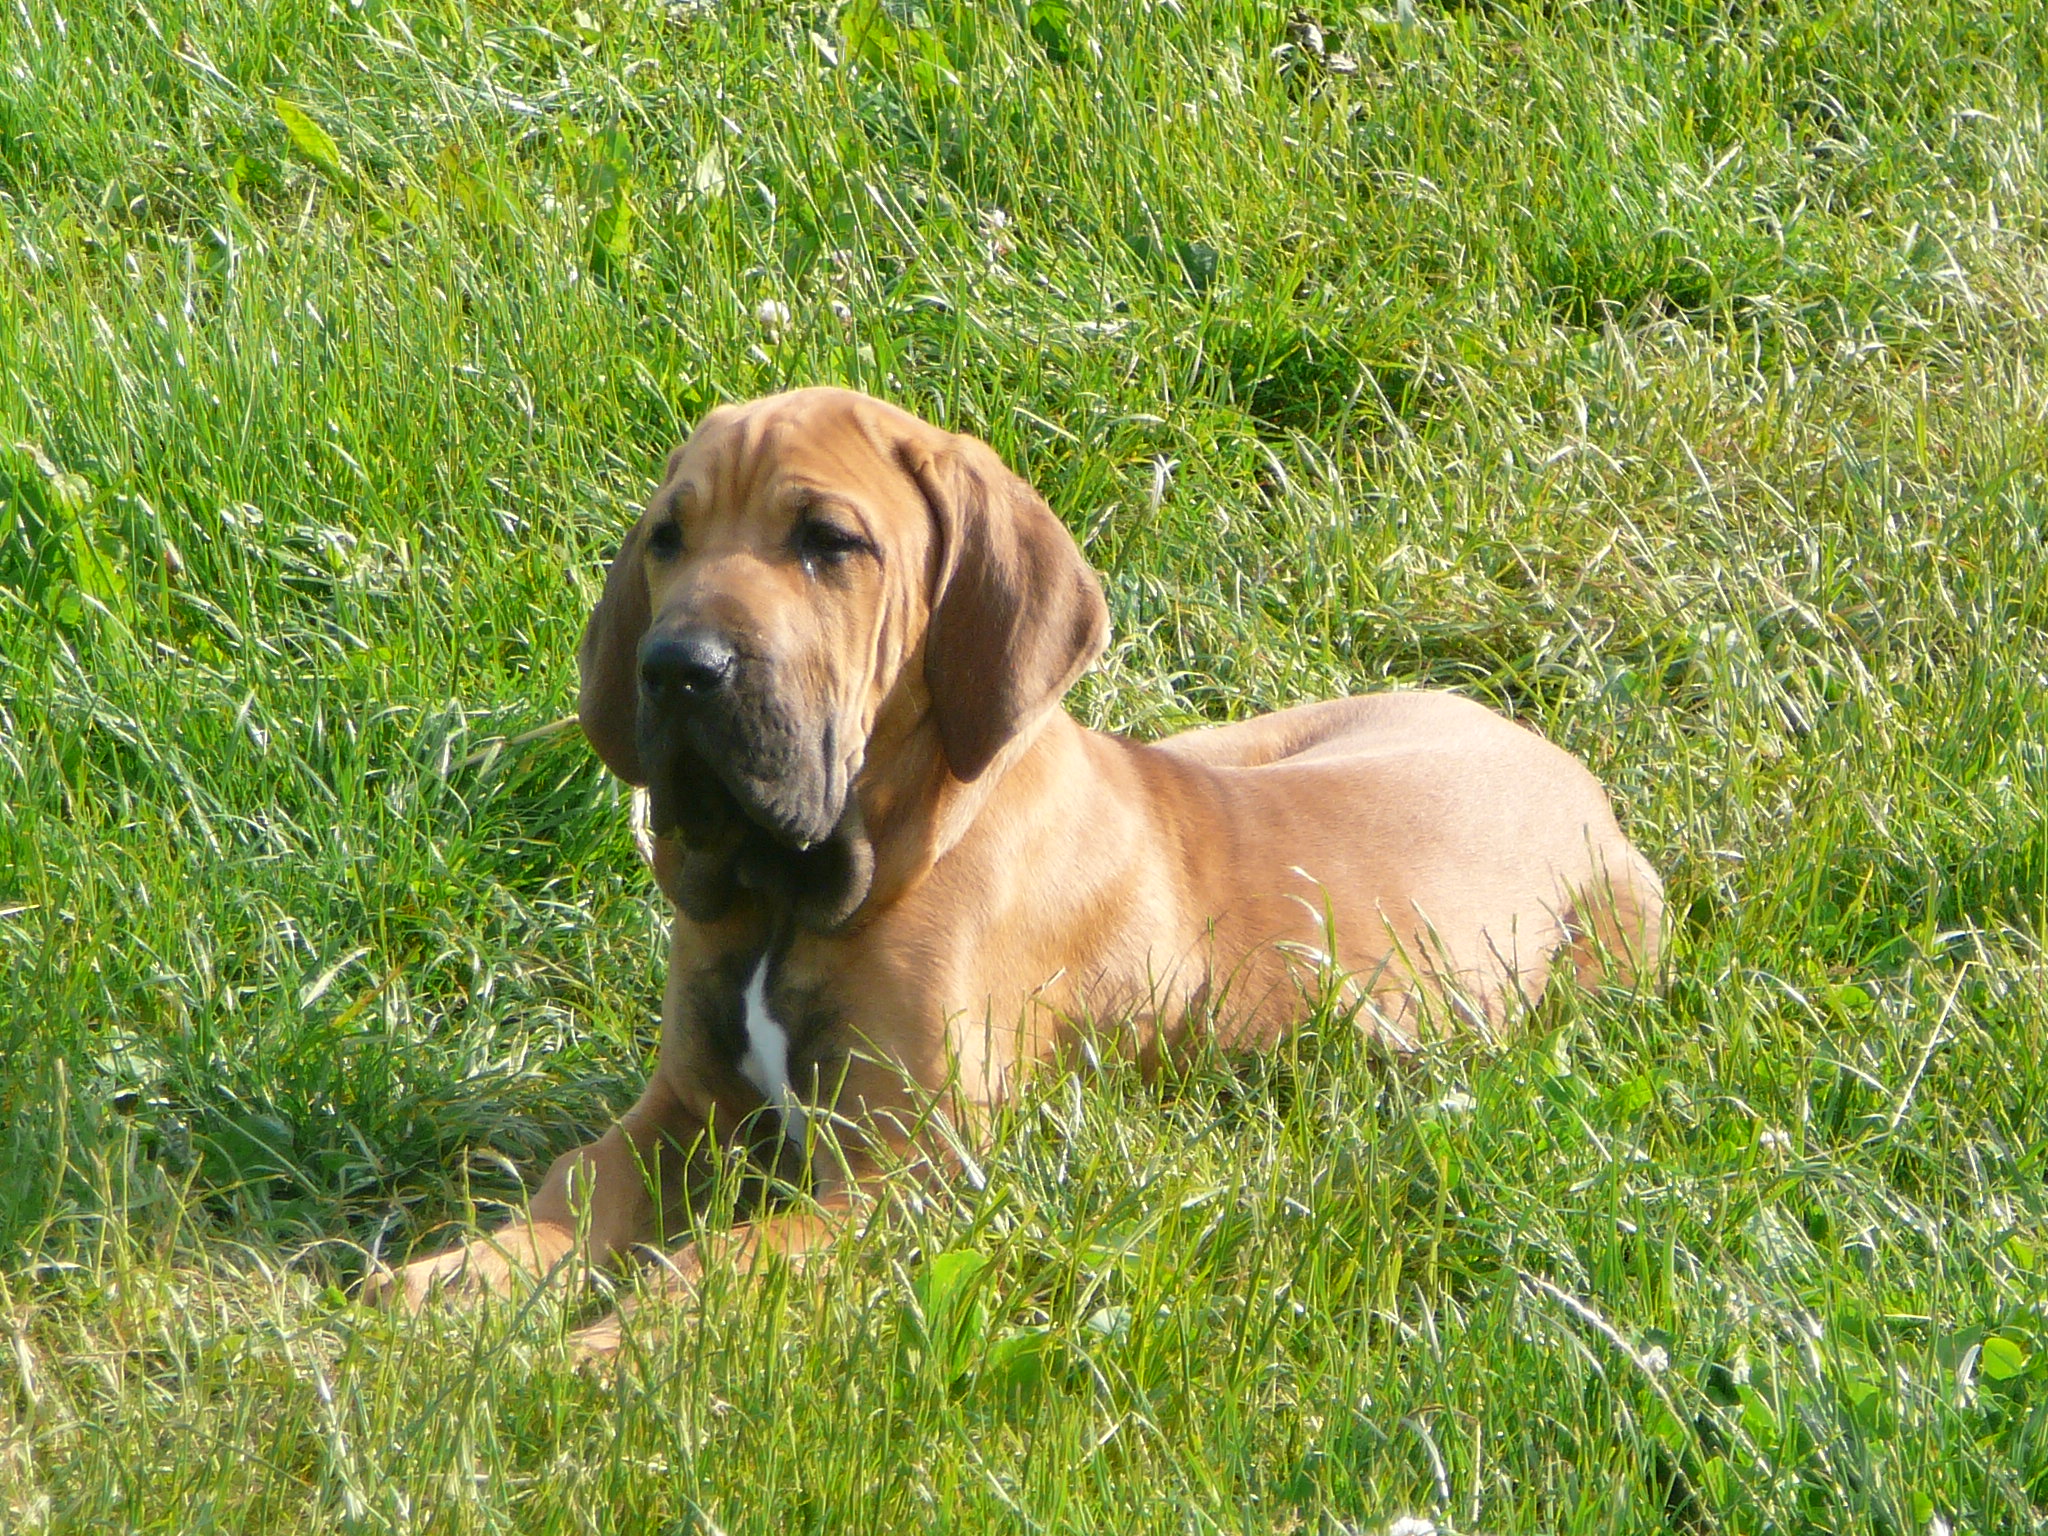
(1669, 375)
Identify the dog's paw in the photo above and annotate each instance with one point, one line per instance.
(668, 1280)
(486, 1267)
(596, 1345)
(466, 1274)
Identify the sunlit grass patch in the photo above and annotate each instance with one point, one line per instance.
(1667, 376)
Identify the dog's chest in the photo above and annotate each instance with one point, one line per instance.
(768, 1025)
(765, 1060)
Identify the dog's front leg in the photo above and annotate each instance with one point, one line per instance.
(883, 1148)
(596, 1204)
(787, 1235)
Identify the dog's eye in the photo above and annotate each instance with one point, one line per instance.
(665, 542)
(827, 543)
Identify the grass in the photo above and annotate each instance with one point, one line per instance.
(1674, 376)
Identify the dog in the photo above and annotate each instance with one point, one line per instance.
(833, 651)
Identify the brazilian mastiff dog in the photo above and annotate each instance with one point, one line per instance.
(833, 651)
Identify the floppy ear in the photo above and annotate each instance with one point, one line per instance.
(1016, 615)
(609, 660)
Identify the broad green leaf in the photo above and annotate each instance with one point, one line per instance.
(1016, 1365)
(2001, 1359)
(1847, 1000)
(1051, 23)
(310, 139)
(943, 1280)
(954, 1316)
(96, 568)
(609, 235)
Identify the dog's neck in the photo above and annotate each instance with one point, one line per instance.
(919, 812)
(907, 820)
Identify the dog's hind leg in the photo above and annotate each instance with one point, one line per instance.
(1616, 924)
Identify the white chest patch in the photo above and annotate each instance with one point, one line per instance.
(766, 1063)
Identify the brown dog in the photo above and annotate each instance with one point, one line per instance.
(833, 650)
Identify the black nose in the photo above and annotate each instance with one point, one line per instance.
(692, 662)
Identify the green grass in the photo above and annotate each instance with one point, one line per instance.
(1672, 375)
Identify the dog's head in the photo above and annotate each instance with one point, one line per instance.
(814, 564)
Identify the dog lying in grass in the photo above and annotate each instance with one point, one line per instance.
(832, 651)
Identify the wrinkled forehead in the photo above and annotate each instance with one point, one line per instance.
(751, 458)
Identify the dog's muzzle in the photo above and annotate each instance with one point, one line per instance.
(710, 711)
(757, 792)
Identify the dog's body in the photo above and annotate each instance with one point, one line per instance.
(833, 650)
